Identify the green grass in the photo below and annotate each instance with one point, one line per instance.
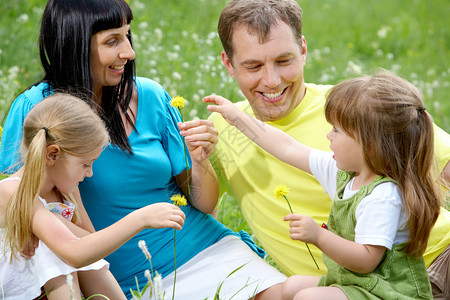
(177, 45)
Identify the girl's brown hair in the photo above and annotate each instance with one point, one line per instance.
(386, 115)
(62, 120)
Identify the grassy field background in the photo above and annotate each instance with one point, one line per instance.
(177, 45)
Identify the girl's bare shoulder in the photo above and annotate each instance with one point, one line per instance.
(7, 188)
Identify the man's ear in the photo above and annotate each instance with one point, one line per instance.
(227, 63)
(53, 152)
(304, 49)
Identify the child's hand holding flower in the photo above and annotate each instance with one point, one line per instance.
(303, 228)
(161, 215)
(281, 191)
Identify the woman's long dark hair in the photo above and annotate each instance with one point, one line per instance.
(65, 51)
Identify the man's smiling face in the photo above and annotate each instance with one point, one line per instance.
(270, 75)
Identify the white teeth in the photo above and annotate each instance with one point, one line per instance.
(272, 95)
(118, 68)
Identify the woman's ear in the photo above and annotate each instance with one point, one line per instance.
(53, 152)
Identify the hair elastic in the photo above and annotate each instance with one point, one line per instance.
(46, 130)
(421, 109)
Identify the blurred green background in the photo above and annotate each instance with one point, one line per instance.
(176, 44)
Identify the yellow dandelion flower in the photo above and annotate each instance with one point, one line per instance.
(178, 200)
(178, 102)
(281, 191)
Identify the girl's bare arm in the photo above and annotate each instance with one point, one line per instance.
(79, 252)
(276, 142)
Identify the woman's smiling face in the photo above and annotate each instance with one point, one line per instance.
(110, 51)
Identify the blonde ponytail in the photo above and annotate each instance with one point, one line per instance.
(20, 207)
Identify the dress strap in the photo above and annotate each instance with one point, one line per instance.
(9, 179)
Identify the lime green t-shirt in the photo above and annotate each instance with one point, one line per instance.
(250, 174)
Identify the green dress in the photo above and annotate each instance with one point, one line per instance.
(398, 276)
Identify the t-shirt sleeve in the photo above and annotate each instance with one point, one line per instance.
(12, 134)
(324, 169)
(379, 217)
(173, 142)
(442, 147)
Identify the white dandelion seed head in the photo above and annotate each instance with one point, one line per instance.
(383, 32)
(69, 279)
(144, 249)
(193, 113)
(143, 25)
(148, 275)
(23, 18)
(158, 32)
(157, 282)
(176, 76)
(353, 68)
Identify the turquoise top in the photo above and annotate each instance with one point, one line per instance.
(12, 129)
(122, 183)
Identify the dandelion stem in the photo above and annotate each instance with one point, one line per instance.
(97, 295)
(175, 260)
(312, 256)
(187, 168)
(185, 157)
(290, 208)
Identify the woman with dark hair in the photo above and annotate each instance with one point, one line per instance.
(86, 50)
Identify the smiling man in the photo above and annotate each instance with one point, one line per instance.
(265, 52)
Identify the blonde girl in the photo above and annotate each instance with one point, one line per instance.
(380, 177)
(62, 137)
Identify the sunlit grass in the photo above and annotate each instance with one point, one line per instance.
(177, 45)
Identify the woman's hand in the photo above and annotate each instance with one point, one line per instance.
(201, 138)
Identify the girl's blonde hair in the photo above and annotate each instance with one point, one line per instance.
(386, 115)
(62, 120)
